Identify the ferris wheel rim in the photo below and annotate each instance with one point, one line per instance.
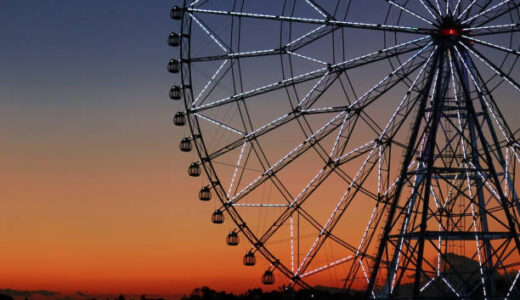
(206, 163)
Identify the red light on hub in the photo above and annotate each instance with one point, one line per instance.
(450, 32)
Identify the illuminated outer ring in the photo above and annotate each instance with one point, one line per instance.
(206, 162)
(217, 187)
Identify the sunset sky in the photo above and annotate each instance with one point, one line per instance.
(94, 193)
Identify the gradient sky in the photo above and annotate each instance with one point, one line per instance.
(92, 196)
(94, 193)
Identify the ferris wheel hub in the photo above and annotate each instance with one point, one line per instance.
(449, 31)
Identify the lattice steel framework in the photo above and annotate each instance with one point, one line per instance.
(405, 187)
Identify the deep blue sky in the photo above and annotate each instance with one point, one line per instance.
(91, 179)
(57, 44)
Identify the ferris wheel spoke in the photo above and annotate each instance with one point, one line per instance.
(364, 238)
(484, 98)
(263, 89)
(447, 11)
(280, 121)
(397, 111)
(194, 2)
(267, 205)
(362, 248)
(237, 55)
(237, 167)
(307, 144)
(316, 225)
(314, 94)
(327, 266)
(506, 132)
(387, 192)
(491, 29)
(481, 6)
(295, 205)
(459, 126)
(319, 9)
(346, 24)
(211, 34)
(308, 37)
(365, 241)
(499, 13)
(209, 83)
(438, 7)
(287, 214)
(428, 6)
(403, 104)
(388, 82)
(261, 130)
(220, 124)
(404, 9)
(456, 7)
(338, 137)
(394, 214)
(306, 192)
(491, 45)
(391, 127)
(467, 9)
(510, 140)
(307, 57)
(493, 67)
(495, 191)
(420, 44)
(338, 211)
(485, 11)
(288, 48)
(516, 152)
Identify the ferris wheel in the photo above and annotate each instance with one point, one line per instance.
(358, 145)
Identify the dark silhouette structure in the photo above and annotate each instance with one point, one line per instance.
(438, 171)
(206, 293)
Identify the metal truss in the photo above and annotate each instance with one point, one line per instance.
(357, 154)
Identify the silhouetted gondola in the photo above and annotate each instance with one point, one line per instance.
(176, 13)
(205, 194)
(174, 66)
(249, 259)
(268, 277)
(232, 239)
(194, 170)
(217, 217)
(174, 39)
(175, 93)
(185, 145)
(179, 119)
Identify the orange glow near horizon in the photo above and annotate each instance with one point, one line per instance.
(94, 192)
